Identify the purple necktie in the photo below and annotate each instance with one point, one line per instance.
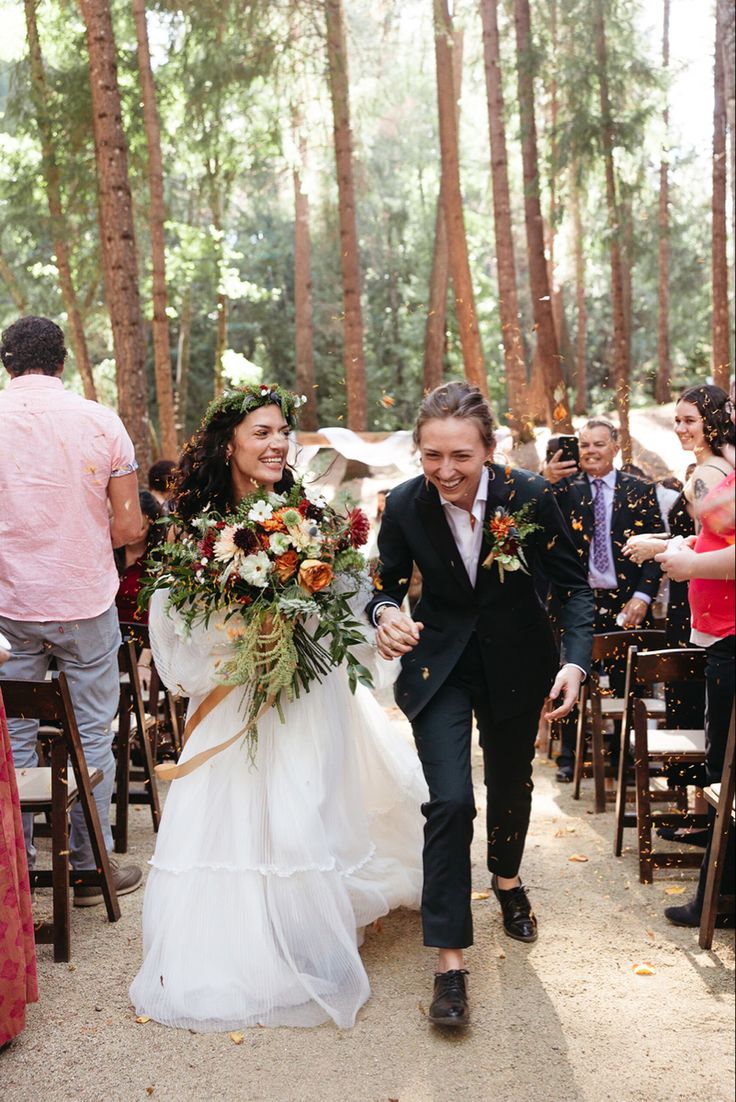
(601, 537)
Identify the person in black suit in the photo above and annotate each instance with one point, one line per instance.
(479, 643)
(603, 507)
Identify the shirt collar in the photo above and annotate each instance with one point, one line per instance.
(607, 479)
(32, 382)
(481, 494)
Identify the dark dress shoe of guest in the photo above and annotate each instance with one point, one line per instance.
(684, 837)
(564, 774)
(689, 915)
(519, 921)
(450, 999)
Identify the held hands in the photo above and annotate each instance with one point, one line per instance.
(642, 548)
(397, 633)
(567, 685)
(556, 470)
(678, 561)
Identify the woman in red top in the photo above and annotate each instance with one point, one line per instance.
(131, 560)
(709, 563)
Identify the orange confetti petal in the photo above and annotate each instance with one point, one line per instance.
(675, 889)
(142, 1019)
(578, 857)
(236, 1038)
(480, 895)
(643, 970)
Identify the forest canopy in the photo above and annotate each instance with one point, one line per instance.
(311, 192)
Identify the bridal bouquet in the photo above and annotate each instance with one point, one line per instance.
(275, 563)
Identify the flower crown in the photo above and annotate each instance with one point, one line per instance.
(245, 399)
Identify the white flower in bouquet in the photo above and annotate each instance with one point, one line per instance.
(254, 569)
(279, 542)
(260, 510)
(313, 495)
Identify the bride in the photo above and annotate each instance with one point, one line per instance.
(267, 870)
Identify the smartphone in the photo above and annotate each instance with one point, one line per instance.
(570, 449)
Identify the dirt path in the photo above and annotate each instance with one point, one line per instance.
(566, 1020)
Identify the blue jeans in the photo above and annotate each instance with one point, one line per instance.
(87, 652)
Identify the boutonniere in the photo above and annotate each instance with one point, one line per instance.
(506, 533)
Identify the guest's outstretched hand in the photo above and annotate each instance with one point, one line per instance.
(397, 633)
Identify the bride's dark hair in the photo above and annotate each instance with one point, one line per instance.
(203, 476)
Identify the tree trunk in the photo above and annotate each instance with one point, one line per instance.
(117, 229)
(719, 262)
(621, 367)
(435, 332)
(581, 372)
(520, 419)
(727, 17)
(452, 196)
(16, 292)
(547, 353)
(662, 387)
(353, 354)
(182, 363)
(156, 219)
(53, 196)
(303, 294)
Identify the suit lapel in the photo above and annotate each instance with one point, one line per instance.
(499, 492)
(438, 530)
(617, 496)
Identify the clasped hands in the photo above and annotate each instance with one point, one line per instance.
(675, 556)
(398, 634)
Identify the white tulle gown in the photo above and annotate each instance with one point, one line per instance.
(265, 873)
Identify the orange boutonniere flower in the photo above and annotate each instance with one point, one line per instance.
(505, 535)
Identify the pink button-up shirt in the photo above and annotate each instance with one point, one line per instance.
(58, 453)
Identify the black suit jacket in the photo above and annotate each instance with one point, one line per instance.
(635, 510)
(519, 651)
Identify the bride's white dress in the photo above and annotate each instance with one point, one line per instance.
(265, 872)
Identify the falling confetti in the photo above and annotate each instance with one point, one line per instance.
(643, 970)
(480, 895)
(578, 857)
(236, 1038)
(142, 1019)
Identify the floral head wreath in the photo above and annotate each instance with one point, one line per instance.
(247, 398)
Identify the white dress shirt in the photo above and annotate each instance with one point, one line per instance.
(467, 527)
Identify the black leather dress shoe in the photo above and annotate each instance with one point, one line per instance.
(518, 917)
(689, 915)
(450, 1000)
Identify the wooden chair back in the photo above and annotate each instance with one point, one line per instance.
(50, 702)
(131, 702)
(718, 844)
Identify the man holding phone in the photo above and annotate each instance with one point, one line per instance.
(603, 507)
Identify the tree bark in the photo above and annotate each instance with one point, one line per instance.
(156, 219)
(581, 371)
(719, 260)
(435, 332)
(59, 231)
(547, 352)
(520, 418)
(117, 229)
(621, 367)
(182, 363)
(467, 321)
(303, 320)
(727, 16)
(662, 387)
(353, 353)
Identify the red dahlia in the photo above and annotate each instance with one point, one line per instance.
(360, 527)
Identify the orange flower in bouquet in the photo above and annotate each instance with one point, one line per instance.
(315, 575)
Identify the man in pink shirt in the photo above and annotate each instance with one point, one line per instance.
(68, 494)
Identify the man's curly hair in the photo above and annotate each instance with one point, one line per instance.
(32, 344)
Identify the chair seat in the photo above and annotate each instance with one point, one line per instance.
(150, 721)
(713, 794)
(34, 787)
(612, 707)
(668, 744)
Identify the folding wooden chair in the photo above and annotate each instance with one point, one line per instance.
(159, 700)
(132, 721)
(720, 796)
(52, 790)
(663, 748)
(595, 706)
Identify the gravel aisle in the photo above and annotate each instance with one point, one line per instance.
(566, 1020)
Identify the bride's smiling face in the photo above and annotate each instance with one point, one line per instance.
(453, 453)
(258, 449)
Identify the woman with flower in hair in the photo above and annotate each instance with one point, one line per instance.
(291, 822)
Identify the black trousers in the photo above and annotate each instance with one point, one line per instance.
(442, 732)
